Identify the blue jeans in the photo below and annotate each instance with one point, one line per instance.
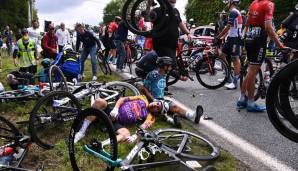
(121, 54)
(84, 55)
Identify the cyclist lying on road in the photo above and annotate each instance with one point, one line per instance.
(128, 111)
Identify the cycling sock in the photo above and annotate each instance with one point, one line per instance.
(85, 126)
(250, 102)
(242, 97)
(106, 142)
(190, 115)
(169, 119)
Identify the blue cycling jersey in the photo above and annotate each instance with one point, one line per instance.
(156, 84)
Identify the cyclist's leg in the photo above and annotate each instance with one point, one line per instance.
(188, 114)
(93, 60)
(84, 56)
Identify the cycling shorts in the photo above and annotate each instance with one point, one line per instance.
(255, 45)
(232, 47)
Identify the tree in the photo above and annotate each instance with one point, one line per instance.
(14, 13)
(112, 9)
(204, 11)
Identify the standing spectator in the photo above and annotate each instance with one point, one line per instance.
(25, 54)
(89, 48)
(19, 34)
(63, 37)
(1, 44)
(142, 27)
(35, 34)
(113, 26)
(148, 46)
(7, 35)
(120, 38)
(49, 43)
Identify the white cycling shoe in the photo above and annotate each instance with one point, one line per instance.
(94, 78)
(231, 86)
(78, 137)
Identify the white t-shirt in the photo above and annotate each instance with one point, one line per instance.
(63, 37)
(34, 34)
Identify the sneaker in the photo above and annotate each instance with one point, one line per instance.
(231, 86)
(94, 78)
(241, 104)
(221, 79)
(199, 113)
(256, 108)
(177, 121)
(78, 137)
(80, 77)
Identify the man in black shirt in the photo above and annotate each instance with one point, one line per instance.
(166, 44)
(89, 44)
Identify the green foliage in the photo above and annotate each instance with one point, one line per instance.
(113, 9)
(14, 13)
(204, 11)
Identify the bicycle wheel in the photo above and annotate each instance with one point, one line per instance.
(48, 122)
(57, 79)
(124, 89)
(282, 118)
(101, 63)
(130, 16)
(188, 145)
(84, 153)
(212, 73)
(8, 133)
(16, 94)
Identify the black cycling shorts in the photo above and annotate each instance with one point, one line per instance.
(232, 47)
(116, 125)
(255, 46)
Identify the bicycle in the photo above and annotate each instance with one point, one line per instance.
(13, 147)
(205, 61)
(51, 115)
(103, 63)
(99, 147)
(281, 97)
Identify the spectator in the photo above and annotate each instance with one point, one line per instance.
(49, 43)
(120, 38)
(19, 34)
(89, 48)
(7, 35)
(112, 28)
(35, 34)
(63, 37)
(25, 54)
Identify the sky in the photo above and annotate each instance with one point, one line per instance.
(83, 11)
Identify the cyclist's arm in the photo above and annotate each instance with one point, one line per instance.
(147, 93)
(78, 43)
(149, 120)
(120, 102)
(268, 25)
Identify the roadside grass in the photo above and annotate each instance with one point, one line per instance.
(58, 159)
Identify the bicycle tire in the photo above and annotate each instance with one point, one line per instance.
(182, 151)
(76, 127)
(38, 130)
(130, 87)
(272, 101)
(16, 94)
(129, 10)
(63, 82)
(101, 63)
(7, 126)
(201, 70)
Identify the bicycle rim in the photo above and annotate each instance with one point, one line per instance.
(49, 119)
(57, 79)
(97, 133)
(188, 145)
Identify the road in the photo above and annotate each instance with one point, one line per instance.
(250, 137)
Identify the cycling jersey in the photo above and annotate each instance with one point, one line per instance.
(259, 12)
(135, 110)
(235, 20)
(156, 84)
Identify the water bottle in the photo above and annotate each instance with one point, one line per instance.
(6, 156)
(6, 151)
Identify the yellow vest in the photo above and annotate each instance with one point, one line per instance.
(26, 54)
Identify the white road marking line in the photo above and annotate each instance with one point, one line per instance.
(245, 146)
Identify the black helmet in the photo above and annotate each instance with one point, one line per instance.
(161, 61)
(46, 62)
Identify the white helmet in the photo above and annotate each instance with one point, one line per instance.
(235, 1)
(67, 48)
